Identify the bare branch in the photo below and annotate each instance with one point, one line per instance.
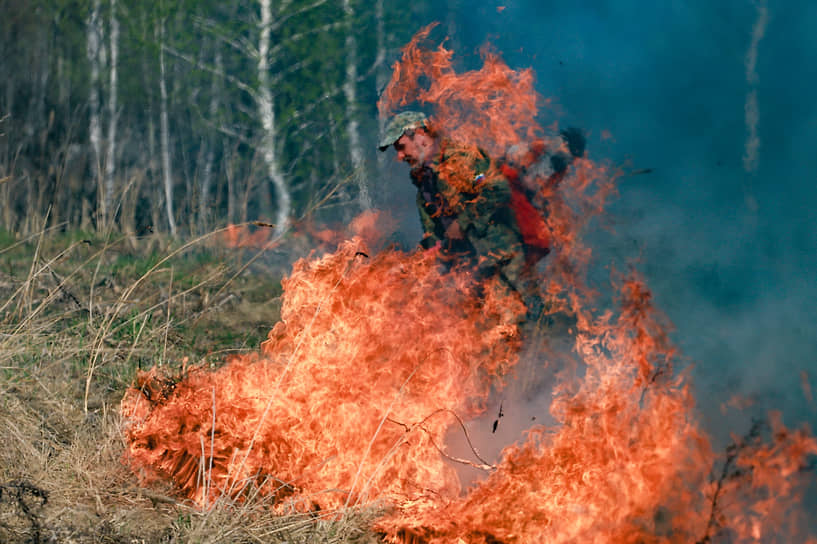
(279, 23)
(301, 35)
(240, 44)
(213, 70)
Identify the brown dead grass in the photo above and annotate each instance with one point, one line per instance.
(75, 325)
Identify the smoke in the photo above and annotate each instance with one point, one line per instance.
(752, 114)
(758, 30)
(730, 260)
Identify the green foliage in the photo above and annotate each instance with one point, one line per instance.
(6, 238)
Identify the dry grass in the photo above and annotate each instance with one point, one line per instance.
(77, 319)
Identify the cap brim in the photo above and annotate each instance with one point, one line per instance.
(386, 143)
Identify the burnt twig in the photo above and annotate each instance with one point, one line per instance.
(485, 465)
(732, 452)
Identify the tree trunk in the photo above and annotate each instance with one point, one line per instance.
(165, 134)
(151, 167)
(266, 111)
(352, 125)
(209, 156)
(229, 174)
(94, 129)
(110, 163)
(382, 76)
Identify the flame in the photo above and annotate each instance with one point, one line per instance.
(379, 354)
(371, 226)
(626, 460)
(243, 236)
(806, 385)
(350, 395)
(493, 108)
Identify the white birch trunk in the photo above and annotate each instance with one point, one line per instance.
(352, 126)
(110, 163)
(229, 174)
(381, 79)
(94, 128)
(165, 135)
(751, 111)
(266, 111)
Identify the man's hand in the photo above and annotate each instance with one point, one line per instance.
(575, 140)
(454, 232)
(438, 246)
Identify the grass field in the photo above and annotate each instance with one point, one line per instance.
(79, 315)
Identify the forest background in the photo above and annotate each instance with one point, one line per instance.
(179, 117)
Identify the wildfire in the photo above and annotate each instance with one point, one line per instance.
(379, 354)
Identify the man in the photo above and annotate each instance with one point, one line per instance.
(463, 199)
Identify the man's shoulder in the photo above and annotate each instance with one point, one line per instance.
(453, 149)
(462, 160)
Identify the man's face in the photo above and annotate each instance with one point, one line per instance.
(416, 149)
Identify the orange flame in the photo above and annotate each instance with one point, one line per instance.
(348, 398)
(371, 226)
(243, 236)
(493, 108)
(626, 461)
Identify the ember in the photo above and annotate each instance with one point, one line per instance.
(379, 355)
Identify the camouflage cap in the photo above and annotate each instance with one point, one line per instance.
(399, 124)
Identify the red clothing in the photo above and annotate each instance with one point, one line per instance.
(531, 223)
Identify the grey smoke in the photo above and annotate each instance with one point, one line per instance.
(750, 156)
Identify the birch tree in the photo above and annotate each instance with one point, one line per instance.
(382, 75)
(164, 128)
(352, 125)
(266, 111)
(113, 114)
(209, 151)
(95, 127)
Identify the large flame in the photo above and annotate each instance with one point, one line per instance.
(379, 355)
(626, 460)
(350, 396)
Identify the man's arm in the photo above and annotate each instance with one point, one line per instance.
(429, 237)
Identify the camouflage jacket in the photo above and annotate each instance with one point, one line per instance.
(462, 184)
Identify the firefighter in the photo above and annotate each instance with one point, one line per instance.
(481, 211)
(463, 199)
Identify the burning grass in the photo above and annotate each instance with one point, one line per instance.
(341, 406)
(338, 397)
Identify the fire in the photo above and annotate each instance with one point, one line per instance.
(370, 226)
(350, 396)
(242, 236)
(494, 107)
(379, 354)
